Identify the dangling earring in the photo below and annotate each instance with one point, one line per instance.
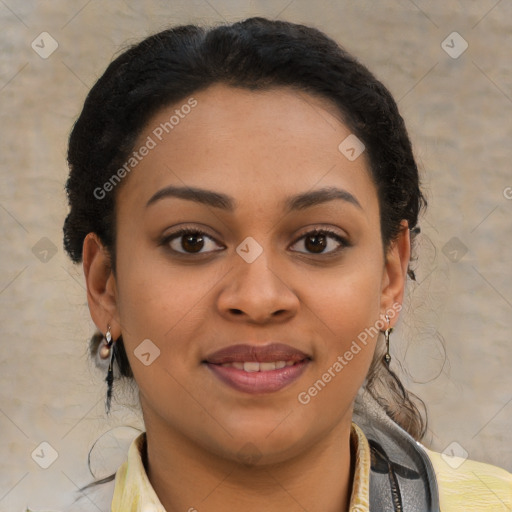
(108, 350)
(387, 332)
(106, 345)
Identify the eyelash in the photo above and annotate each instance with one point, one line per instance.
(194, 231)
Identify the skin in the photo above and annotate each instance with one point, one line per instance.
(260, 148)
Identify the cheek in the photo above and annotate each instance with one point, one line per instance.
(166, 305)
(343, 302)
(349, 314)
(355, 306)
(345, 313)
(157, 298)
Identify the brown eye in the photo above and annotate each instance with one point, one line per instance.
(189, 241)
(192, 242)
(317, 241)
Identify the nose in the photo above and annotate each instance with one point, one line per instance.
(257, 293)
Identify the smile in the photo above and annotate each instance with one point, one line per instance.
(258, 378)
(253, 366)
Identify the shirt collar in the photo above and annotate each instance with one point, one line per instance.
(133, 491)
(360, 499)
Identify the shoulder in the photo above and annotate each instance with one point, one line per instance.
(466, 485)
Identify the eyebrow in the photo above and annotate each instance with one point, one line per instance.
(225, 202)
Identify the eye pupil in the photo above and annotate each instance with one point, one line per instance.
(193, 242)
(318, 243)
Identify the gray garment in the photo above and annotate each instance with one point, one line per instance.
(411, 470)
(402, 477)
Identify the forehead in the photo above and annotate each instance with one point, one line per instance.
(256, 144)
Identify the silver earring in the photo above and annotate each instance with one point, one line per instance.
(387, 332)
(106, 351)
(106, 345)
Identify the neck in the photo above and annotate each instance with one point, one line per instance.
(187, 477)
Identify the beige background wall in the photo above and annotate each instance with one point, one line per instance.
(459, 113)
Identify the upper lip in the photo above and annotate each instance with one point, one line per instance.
(259, 353)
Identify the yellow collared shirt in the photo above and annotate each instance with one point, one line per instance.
(470, 486)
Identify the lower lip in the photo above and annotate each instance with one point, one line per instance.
(258, 382)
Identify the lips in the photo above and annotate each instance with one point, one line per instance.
(258, 354)
(258, 369)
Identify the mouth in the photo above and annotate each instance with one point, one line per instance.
(258, 369)
(254, 366)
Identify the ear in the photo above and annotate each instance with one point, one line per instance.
(101, 285)
(395, 271)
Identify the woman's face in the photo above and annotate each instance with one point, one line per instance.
(255, 173)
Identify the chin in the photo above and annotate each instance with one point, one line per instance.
(267, 440)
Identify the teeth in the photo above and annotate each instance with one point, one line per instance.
(254, 366)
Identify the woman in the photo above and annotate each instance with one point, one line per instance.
(244, 200)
